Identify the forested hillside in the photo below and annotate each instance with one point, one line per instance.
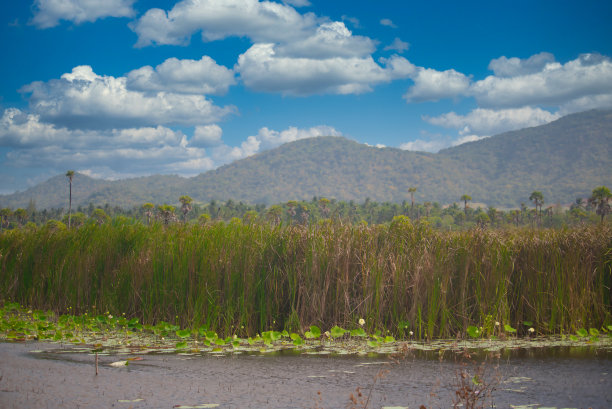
(564, 160)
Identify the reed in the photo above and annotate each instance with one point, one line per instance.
(238, 278)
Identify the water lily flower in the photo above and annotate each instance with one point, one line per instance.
(411, 333)
(497, 323)
(110, 316)
(361, 321)
(531, 330)
(327, 334)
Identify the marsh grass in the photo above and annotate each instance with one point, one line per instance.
(243, 279)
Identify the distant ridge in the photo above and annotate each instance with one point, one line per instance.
(564, 159)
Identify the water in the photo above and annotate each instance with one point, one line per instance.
(52, 377)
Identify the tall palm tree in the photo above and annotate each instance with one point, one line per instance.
(538, 200)
(185, 206)
(70, 175)
(411, 190)
(600, 200)
(465, 199)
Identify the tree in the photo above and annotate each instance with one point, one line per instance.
(274, 213)
(411, 190)
(4, 215)
(21, 215)
(70, 175)
(148, 209)
(167, 213)
(600, 200)
(99, 215)
(465, 199)
(185, 206)
(538, 200)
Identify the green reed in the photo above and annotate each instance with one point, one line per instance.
(247, 278)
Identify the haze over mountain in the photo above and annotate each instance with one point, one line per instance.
(564, 159)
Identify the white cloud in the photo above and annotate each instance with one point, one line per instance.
(111, 152)
(421, 145)
(387, 22)
(554, 84)
(202, 76)
(330, 40)
(433, 85)
(217, 19)
(488, 122)
(262, 69)
(268, 139)
(398, 45)
(512, 67)
(83, 99)
(48, 13)
(206, 135)
(297, 3)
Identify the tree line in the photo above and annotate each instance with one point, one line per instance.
(460, 215)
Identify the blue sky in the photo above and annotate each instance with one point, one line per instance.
(123, 88)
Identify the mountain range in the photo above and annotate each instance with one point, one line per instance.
(564, 159)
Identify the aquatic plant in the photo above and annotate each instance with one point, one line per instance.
(244, 279)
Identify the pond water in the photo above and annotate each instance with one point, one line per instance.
(43, 375)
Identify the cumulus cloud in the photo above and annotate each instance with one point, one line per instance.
(48, 13)
(423, 145)
(217, 19)
(267, 139)
(330, 40)
(488, 121)
(512, 67)
(387, 22)
(262, 69)
(83, 99)
(297, 3)
(130, 152)
(553, 84)
(433, 85)
(398, 45)
(202, 76)
(206, 135)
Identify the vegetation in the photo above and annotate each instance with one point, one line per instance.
(245, 278)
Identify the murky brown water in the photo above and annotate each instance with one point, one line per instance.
(61, 379)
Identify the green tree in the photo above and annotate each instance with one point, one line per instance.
(4, 216)
(538, 200)
(185, 206)
(600, 200)
(70, 175)
(99, 215)
(148, 210)
(249, 217)
(167, 213)
(21, 215)
(411, 190)
(274, 213)
(466, 199)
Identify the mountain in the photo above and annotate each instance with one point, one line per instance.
(564, 159)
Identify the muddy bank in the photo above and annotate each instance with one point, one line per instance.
(52, 377)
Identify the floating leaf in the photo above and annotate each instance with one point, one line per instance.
(389, 339)
(358, 332)
(528, 323)
(582, 332)
(118, 364)
(594, 332)
(337, 332)
(473, 331)
(181, 345)
(184, 333)
(509, 329)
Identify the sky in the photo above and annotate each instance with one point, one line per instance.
(127, 88)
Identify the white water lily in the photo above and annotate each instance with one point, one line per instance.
(497, 323)
(531, 330)
(411, 333)
(361, 322)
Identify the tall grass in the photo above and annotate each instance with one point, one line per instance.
(245, 278)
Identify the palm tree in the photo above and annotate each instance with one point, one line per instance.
(4, 216)
(600, 200)
(148, 209)
(185, 206)
(411, 190)
(538, 200)
(465, 199)
(70, 175)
